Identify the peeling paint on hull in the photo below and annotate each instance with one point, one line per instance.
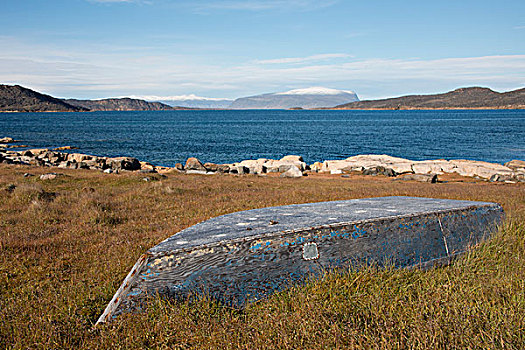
(248, 255)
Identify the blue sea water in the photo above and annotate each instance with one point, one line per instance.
(168, 137)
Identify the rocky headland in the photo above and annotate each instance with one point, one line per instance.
(463, 98)
(121, 104)
(16, 98)
(289, 166)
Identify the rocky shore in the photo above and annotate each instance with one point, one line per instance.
(289, 166)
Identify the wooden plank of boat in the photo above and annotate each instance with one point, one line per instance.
(249, 254)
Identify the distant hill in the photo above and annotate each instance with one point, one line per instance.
(120, 104)
(463, 98)
(15, 98)
(314, 97)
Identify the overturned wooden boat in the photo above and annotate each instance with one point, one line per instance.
(249, 254)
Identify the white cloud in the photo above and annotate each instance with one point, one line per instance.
(101, 71)
(320, 57)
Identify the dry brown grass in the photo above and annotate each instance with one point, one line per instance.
(66, 244)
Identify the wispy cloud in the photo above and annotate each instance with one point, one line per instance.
(260, 5)
(519, 27)
(204, 6)
(95, 72)
(353, 35)
(313, 58)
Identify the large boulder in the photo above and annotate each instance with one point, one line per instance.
(431, 178)
(78, 157)
(147, 167)
(239, 169)
(516, 165)
(481, 169)
(256, 166)
(432, 167)
(369, 161)
(272, 166)
(285, 167)
(211, 167)
(6, 140)
(292, 172)
(123, 163)
(295, 160)
(90, 164)
(509, 178)
(193, 163)
(379, 170)
(56, 157)
(366, 161)
(38, 151)
(64, 164)
(330, 165)
(316, 167)
(292, 159)
(223, 168)
(285, 163)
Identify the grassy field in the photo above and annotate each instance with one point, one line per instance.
(66, 244)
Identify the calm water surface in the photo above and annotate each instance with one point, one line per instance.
(168, 137)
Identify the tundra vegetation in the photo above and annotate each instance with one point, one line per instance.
(68, 242)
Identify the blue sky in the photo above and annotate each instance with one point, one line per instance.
(233, 48)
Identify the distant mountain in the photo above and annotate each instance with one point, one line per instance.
(463, 98)
(120, 104)
(191, 101)
(15, 98)
(314, 97)
(211, 104)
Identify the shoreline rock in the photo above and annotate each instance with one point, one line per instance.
(366, 163)
(291, 165)
(431, 178)
(194, 164)
(293, 172)
(6, 140)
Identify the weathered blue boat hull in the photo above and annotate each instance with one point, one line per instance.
(248, 255)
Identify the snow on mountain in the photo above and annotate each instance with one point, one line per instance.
(315, 90)
(313, 97)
